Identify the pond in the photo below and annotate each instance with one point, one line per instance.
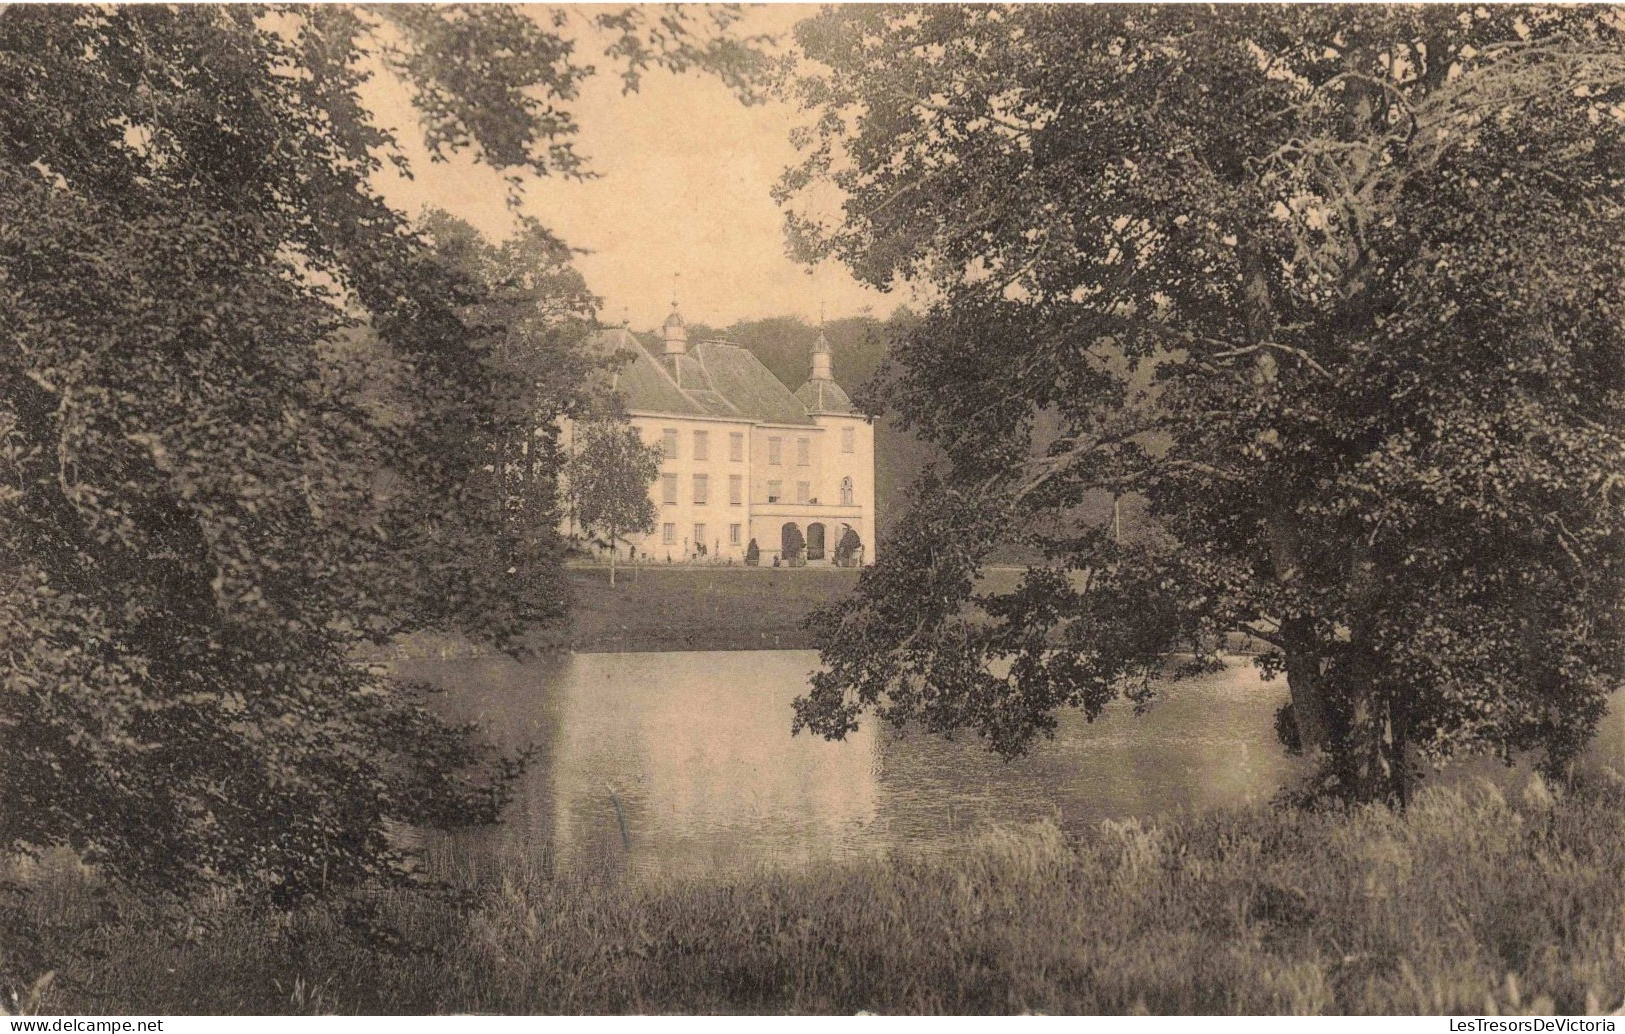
(683, 764)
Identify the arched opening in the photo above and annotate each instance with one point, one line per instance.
(789, 541)
(846, 491)
(815, 542)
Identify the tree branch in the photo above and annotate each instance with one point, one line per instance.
(1258, 633)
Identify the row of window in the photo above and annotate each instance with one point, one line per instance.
(736, 446)
(702, 489)
(668, 534)
(736, 490)
(702, 445)
(775, 492)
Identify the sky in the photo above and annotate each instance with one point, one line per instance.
(682, 200)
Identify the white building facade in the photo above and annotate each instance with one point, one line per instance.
(744, 457)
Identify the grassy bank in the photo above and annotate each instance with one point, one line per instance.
(700, 608)
(1470, 903)
(686, 608)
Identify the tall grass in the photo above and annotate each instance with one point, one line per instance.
(1472, 902)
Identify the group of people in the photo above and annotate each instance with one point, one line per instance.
(692, 554)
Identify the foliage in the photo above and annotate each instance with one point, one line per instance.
(753, 553)
(1470, 903)
(609, 475)
(1335, 289)
(794, 544)
(244, 427)
(847, 547)
(784, 345)
(529, 313)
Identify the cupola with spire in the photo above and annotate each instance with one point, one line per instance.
(674, 332)
(822, 359)
(821, 394)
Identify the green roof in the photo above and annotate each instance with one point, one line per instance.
(713, 379)
(741, 378)
(644, 383)
(821, 395)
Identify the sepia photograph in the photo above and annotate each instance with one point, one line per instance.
(670, 510)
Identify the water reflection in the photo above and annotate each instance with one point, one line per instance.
(683, 763)
(694, 749)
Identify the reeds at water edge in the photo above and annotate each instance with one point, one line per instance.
(1475, 901)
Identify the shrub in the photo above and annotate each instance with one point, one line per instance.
(846, 550)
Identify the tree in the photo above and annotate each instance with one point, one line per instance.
(846, 550)
(794, 546)
(530, 312)
(1333, 290)
(244, 427)
(609, 475)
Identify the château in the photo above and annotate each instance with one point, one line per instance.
(745, 458)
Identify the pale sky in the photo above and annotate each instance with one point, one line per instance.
(685, 173)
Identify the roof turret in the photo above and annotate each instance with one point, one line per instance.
(674, 333)
(821, 394)
(823, 359)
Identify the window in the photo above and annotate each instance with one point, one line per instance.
(668, 443)
(736, 447)
(736, 491)
(734, 532)
(775, 489)
(702, 445)
(702, 489)
(803, 491)
(699, 538)
(803, 452)
(668, 489)
(774, 451)
(849, 439)
(668, 534)
(846, 491)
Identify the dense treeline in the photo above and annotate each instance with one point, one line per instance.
(1334, 289)
(251, 418)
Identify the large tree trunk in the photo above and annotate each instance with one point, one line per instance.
(1353, 737)
(528, 501)
(613, 549)
(1372, 738)
(1306, 682)
(1355, 734)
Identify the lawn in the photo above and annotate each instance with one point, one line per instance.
(710, 608)
(679, 607)
(700, 608)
